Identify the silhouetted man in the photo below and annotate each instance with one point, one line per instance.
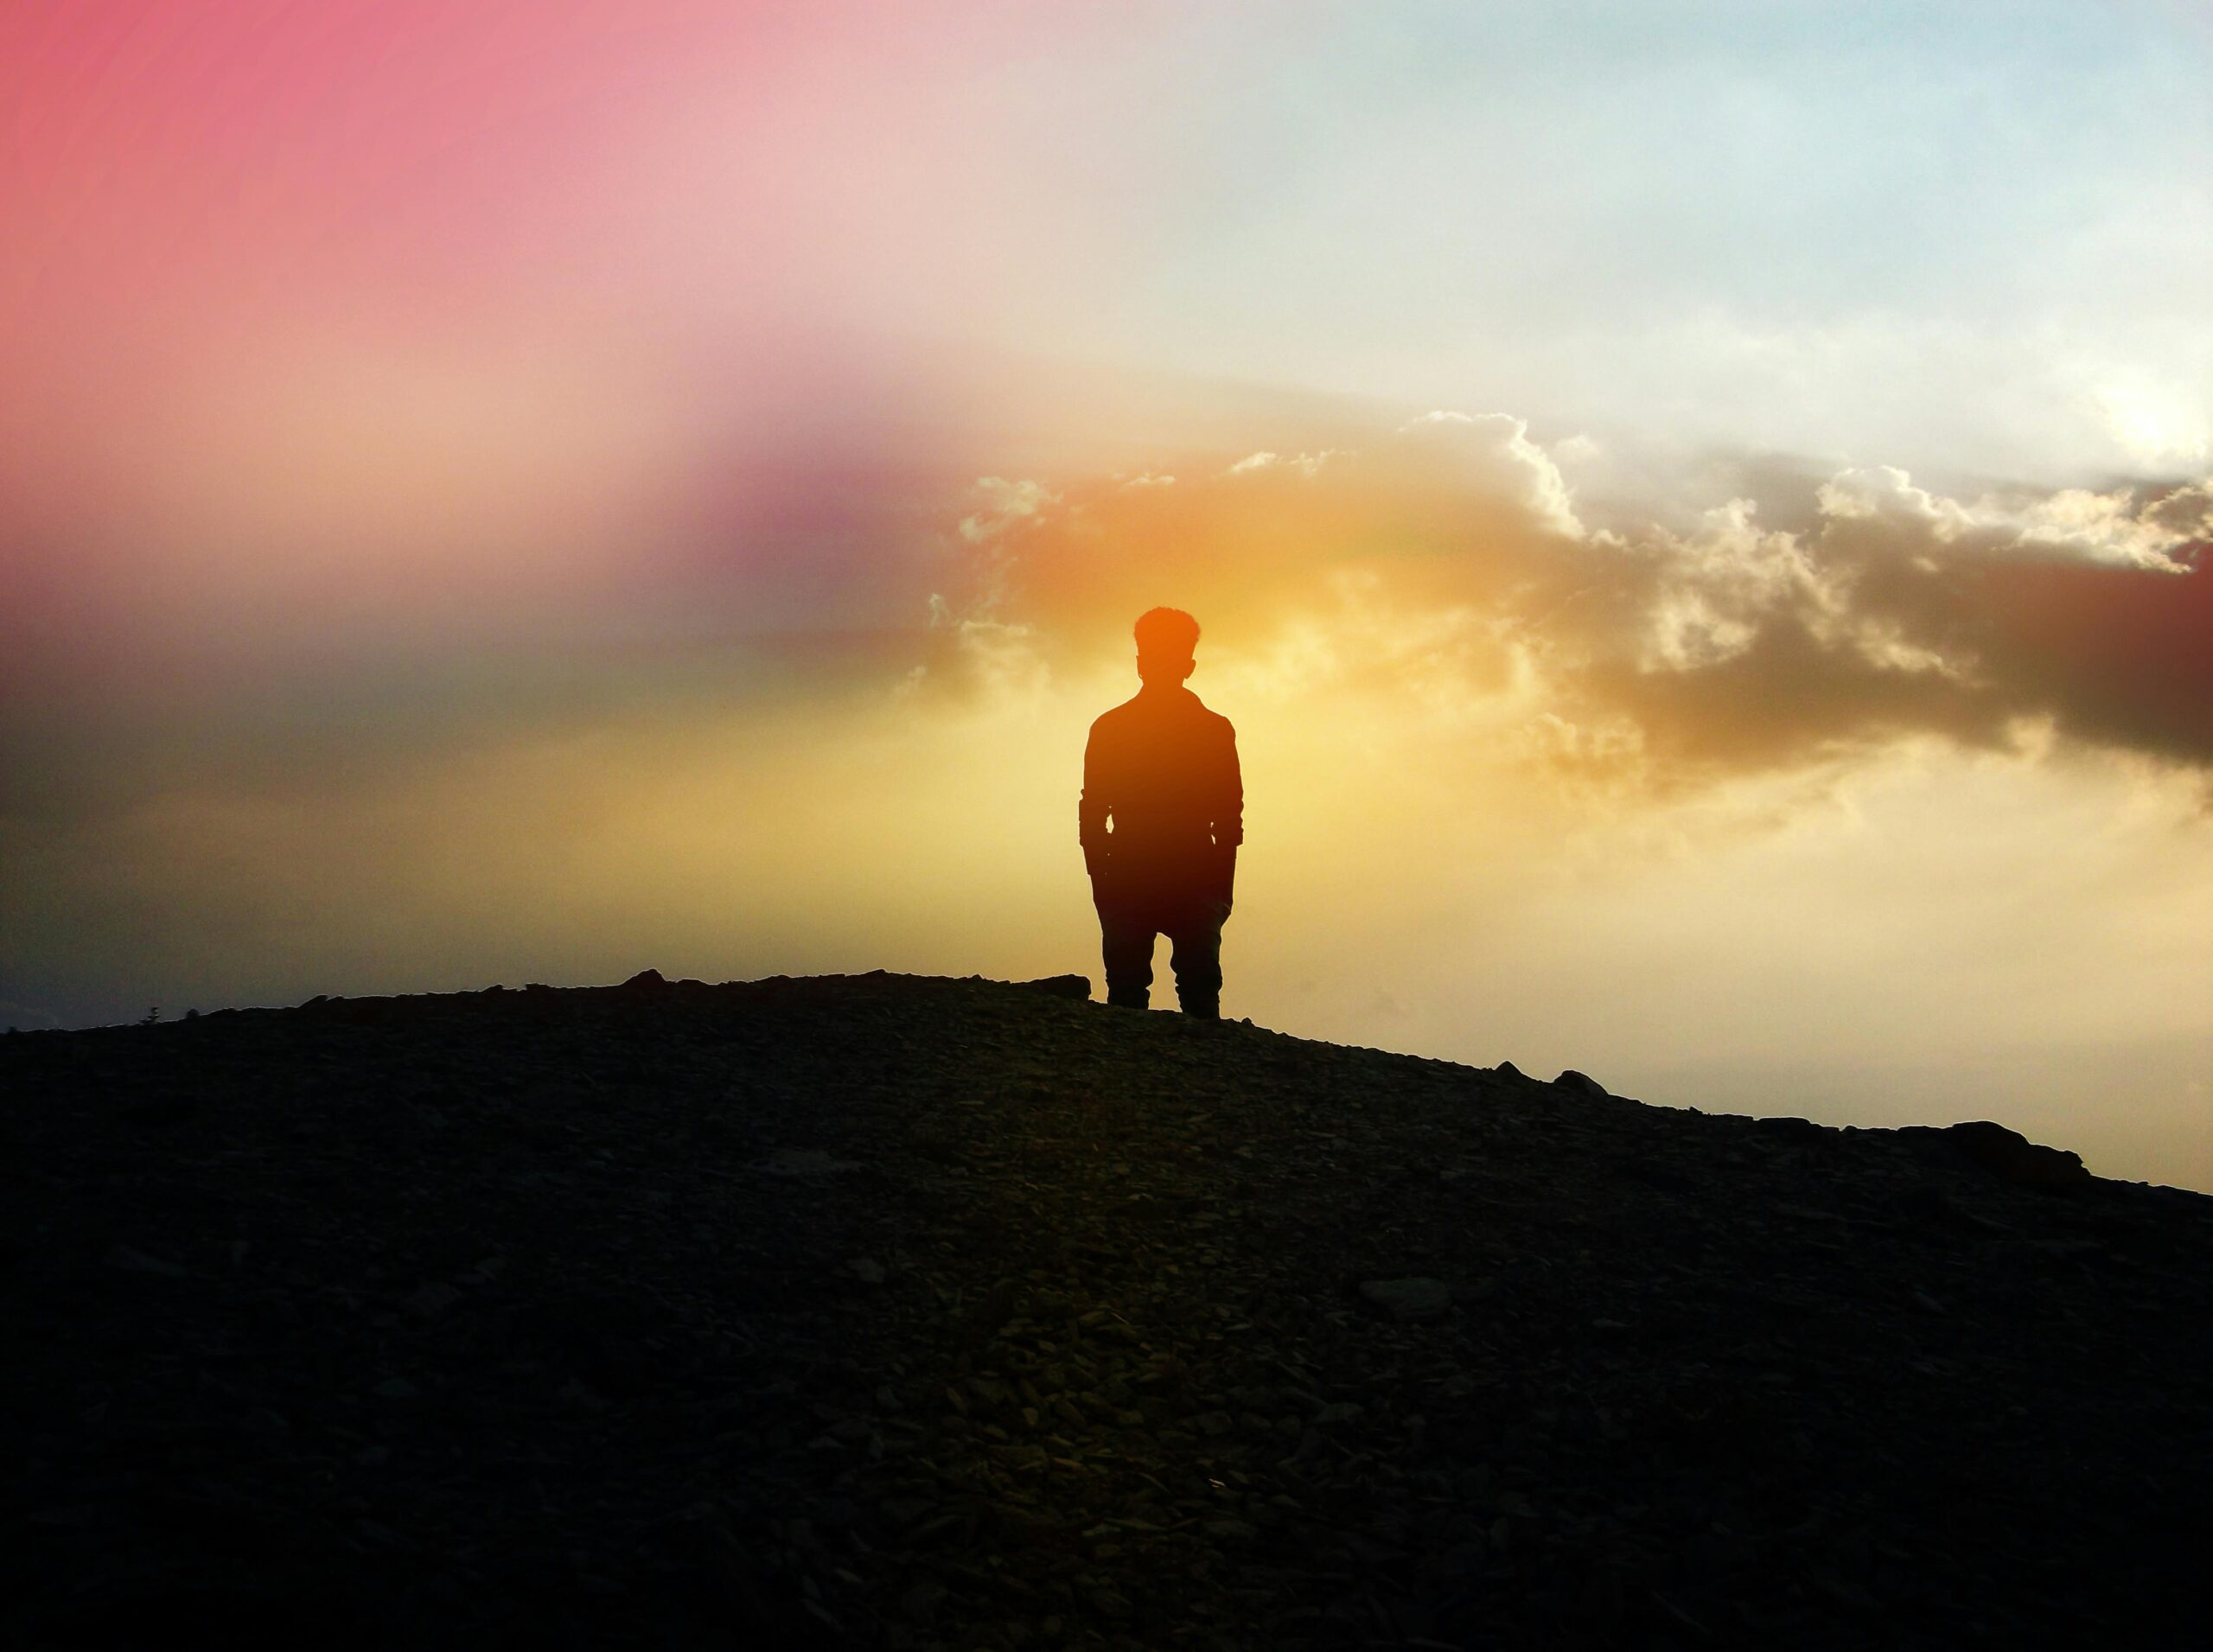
(1162, 769)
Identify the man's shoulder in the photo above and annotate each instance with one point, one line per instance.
(1114, 716)
(1213, 719)
(1140, 712)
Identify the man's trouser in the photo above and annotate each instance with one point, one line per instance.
(1192, 923)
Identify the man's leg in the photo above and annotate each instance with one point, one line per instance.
(1197, 958)
(1125, 942)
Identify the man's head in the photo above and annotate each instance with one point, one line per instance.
(1167, 638)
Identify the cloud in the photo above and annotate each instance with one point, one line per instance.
(2070, 522)
(984, 659)
(1306, 463)
(1493, 452)
(1006, 505)
(1443, 569)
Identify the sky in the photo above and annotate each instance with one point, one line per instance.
(1698, 515)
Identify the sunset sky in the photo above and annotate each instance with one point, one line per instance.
(1699, 514)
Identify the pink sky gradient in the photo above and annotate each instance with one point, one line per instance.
(332, 314)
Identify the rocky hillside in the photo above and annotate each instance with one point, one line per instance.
(886, 1311)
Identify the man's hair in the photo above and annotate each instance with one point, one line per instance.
(1167, 633)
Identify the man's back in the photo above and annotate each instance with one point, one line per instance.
(1164, 768)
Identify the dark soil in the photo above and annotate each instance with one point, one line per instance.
(886, 1311)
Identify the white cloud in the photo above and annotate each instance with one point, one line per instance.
(994, 661)
(1306, 463)
(1496, 457)
(2109, 528)
(1005, 504)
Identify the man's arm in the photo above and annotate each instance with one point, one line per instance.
(1092, 807)
(1229, 813)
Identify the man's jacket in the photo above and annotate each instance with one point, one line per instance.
(1162, 769)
